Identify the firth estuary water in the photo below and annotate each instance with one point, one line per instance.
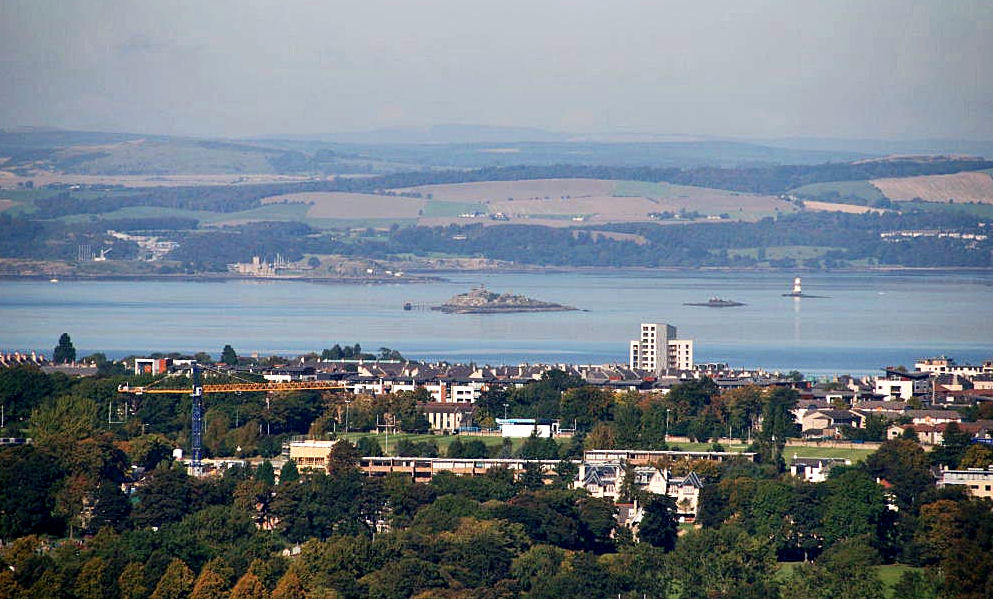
(868, 319)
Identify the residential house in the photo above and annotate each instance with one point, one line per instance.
(605, 479)
(897, 385)
(448, 417)
(815, 470)
(829, 423)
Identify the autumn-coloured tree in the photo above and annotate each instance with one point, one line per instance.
(249, 587)
(176, 582)
(290, 587)
(131, 582)
(90, 582)
(210, 585)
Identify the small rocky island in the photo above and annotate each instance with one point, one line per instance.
(481, 301)
(716, 302)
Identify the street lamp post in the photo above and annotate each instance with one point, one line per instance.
(665, 435)
(347, 405)
(505, 411)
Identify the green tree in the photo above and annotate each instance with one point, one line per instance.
(918, 584)
(92, 581)
(408, 415)
(724, 562)
(228, 356)
(110, 507)
(265, 473)
(815, 581)
(58, 422)
(977, 456)
(659, 527)
(27, 477)
(540, 562)
(955, 442)
(853, 506)
(289, 473)
(627, 423)
(904, 465)
(165, 497)
(369, 447)
(176, 582)
(585, 406)
(778, 421)
(403, 578)
(64, 352)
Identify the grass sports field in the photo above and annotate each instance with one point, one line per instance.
(443, 441)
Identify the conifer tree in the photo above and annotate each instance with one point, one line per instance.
(210, 585)
(131, 582)
(90, 582)
(64, 352)
(176, 582)
(290, 587)
(249, 587)
(289, 473)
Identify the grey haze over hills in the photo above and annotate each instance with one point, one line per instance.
(765, 69)
(442, 146)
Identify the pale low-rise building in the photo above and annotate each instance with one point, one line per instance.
(448, 417)
(977, 481)
(311, 454)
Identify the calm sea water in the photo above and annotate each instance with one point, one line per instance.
(868, 321)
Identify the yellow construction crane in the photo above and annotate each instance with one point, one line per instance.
(197, 391)
(239, 387)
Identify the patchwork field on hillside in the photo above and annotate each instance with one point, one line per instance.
(337, 205)
(974, 186)
(848, 192)
(563, 202)
(836, 207)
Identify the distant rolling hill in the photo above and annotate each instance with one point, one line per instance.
(34, 151)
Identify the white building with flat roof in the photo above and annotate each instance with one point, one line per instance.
(522, 428)
(658, 349)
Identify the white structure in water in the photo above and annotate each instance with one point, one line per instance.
(659, 350)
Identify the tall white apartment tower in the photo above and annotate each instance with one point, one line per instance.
(658, 349)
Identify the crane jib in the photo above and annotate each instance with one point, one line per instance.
(238, 387)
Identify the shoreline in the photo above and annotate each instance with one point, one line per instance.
(426, 276)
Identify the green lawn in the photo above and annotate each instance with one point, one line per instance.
(811, 451)
(978, 210)
(889, 575)
(862, 193)
(443, 441)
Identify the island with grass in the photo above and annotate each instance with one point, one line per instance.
(480, 300)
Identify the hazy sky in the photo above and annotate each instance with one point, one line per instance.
(834, 68)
